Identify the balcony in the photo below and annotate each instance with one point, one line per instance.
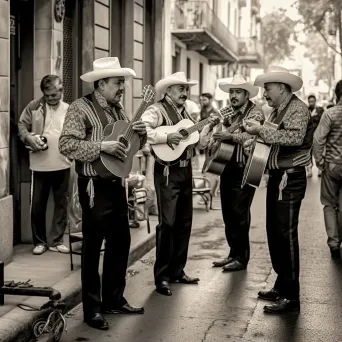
(250, 51)
(256, 6)
(197, 26)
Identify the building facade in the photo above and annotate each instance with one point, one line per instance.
(213, 39)
(63, 37)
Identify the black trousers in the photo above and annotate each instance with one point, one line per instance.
(107, 219)
(42, 182)
(282, 228)
(175, 220)
(236, 204)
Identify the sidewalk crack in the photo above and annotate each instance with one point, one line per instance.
(207, 331)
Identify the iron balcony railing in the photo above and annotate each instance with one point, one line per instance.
(196, 15)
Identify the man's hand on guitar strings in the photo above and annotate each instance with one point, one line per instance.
(114, 148)
(223, 136)
(252, 127)
(247, 146)
(139, 127)
(174, 138)
(214, 119)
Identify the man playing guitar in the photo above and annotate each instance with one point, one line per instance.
(173, 184)
(290, 153)
(235, 201)
(103, 200)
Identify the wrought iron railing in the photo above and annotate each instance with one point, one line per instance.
(191, 15)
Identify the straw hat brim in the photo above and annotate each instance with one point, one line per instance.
(252, 90)
(96, 75)
(295, 82)
(163, 84)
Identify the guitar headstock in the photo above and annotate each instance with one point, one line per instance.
(148, 93)
(226, 111)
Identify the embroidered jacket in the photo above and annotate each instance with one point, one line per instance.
(292, 142)
(83, 132)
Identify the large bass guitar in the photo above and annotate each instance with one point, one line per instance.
(257, 160)
(190, 132)
(218, 154)
(123, 132)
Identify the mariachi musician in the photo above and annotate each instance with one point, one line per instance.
(290, 154)
(235, 202)
(173, 185)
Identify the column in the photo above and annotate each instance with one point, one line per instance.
(6, 207)
(48, 42)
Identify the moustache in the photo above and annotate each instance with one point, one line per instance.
(234, 100)
(183, 97)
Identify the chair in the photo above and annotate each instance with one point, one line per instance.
(202, 187)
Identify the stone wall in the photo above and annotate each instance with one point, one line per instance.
(48, 45)
(6, 209)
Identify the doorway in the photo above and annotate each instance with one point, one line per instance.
(21, 93)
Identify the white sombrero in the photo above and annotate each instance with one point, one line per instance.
(176, 78)
(106, 67)
(238, 82)
(277, 74)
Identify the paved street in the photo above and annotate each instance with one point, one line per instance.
(223, 307)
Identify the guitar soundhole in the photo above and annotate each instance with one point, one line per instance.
(184, 133)
(124, 141)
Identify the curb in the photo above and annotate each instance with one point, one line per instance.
(17, 324)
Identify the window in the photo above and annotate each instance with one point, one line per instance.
(200, 78)
(188, 68)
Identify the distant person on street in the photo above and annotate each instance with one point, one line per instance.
(291, 145)
(235, 202)
(316, 114)
(327, 151)
(103, 199)
(50, 169)
(206, 101)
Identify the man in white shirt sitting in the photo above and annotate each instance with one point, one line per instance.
(50, 169)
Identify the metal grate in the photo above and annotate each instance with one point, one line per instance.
(67, 60)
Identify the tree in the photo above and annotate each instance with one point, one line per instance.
(323, 17)
(321, 56)
(276, 31)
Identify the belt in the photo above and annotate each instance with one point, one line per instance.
(97, 178)
(288, 170)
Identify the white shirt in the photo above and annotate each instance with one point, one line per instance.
(51, 159)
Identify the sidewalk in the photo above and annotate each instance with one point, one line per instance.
(53, 269)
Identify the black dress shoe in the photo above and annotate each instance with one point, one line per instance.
(185, 279)
(222, 262)
(164, 289)
(125, 309)
(234, 266)
(282, 306)
(272, 295)
(97, 321)
(335, 253)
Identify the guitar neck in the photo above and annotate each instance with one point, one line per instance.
(201, 124)
(198, 126)
(140, 111)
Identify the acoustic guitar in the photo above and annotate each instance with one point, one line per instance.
(123, 132)
(190, 132)
(257, 160)
(219, 154)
